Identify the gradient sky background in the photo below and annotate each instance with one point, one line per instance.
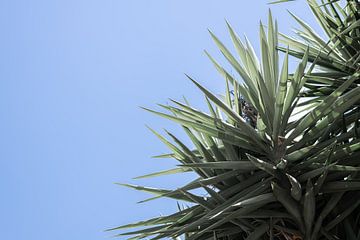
(73, 73)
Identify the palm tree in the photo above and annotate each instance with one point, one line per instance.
(278, 154)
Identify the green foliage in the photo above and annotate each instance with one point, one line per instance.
(278, 155)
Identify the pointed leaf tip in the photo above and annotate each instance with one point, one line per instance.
(280, 1)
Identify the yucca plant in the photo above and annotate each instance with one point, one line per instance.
(278, 154)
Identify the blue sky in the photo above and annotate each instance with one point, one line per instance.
(73, 74)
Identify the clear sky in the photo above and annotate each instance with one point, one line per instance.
(72, 75)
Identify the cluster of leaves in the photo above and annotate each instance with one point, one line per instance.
(278, 155)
